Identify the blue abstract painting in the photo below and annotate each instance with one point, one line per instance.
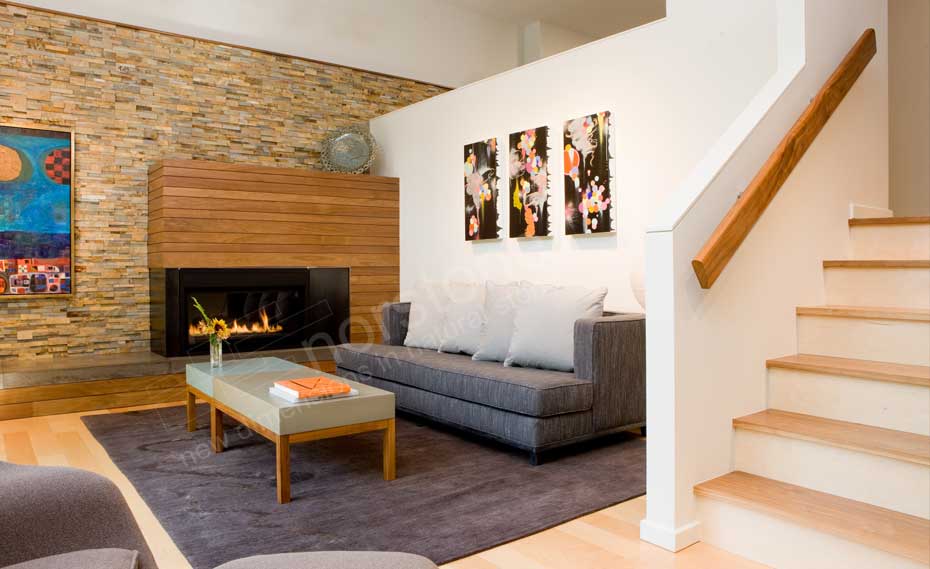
(35, 211)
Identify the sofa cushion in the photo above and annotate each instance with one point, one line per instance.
(332, 560)
(534, 392)
(86, 559)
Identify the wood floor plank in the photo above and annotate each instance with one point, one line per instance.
(876, 527)
(18, 446)
(864, 369)
(899, 445)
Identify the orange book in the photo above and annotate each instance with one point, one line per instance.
(313, 387)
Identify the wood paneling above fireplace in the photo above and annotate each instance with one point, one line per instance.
(221, 215)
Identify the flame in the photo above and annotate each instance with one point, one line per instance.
(237, 329)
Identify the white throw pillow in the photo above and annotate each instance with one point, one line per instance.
(428, 306)
(544, 326)
(500, 305)
(464, 318)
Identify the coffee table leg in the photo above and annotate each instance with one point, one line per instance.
(191, 412)
(390, 452)
(283, 467)
(216, 429)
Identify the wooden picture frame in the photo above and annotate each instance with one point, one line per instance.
(36, 212)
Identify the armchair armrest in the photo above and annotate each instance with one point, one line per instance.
(395, 317)
(52, 510)
(611, 352)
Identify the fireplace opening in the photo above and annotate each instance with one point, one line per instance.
(265, 308)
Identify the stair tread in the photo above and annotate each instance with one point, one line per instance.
(880, 528)
(877, 264)
(864, 369)
(890, 443)
(879, 312)
(887, 221)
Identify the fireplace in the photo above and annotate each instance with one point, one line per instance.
(265, 308)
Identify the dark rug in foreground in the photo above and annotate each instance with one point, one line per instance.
(454, 495)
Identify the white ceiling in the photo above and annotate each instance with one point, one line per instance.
(594, 18)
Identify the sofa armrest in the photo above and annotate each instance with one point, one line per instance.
(395, 317)
(611, 352)
(47, 511)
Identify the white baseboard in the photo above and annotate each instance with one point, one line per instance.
(672, 539)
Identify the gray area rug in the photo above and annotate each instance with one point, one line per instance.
(454, 495)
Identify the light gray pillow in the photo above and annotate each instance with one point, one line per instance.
(428, 306)
(544, 325)
(464, 318)
(500, 305)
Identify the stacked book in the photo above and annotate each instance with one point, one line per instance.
(311, 389)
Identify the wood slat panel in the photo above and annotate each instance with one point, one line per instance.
(261, 227)
(274, 248)
(739, 221)
(329, 188)
(271, 176)
(257, 238)
(239, 201)
(214, 259)
(232, 218)
(170, 166)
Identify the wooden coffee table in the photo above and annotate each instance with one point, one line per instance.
(245, 398)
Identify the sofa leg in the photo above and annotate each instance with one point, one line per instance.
(642, 430)
(535, 458)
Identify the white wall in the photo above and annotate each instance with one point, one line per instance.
(672, 87)
(909, 89)
(542, 39)
(436, 42)
(706, 349)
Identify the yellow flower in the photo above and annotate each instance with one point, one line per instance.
(220, 329)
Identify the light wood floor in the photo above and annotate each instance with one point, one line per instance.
(605, 539)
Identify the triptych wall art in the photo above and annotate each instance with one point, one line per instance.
(587, 174)
(529, 183)
(587, 191)
(481, 190)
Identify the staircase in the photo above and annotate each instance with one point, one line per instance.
(836, 472)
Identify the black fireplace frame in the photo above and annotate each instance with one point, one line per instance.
(325, 318)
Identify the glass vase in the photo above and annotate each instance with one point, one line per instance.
(216, 354)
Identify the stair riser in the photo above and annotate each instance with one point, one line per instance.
(783, 544)
(884, 404)
(893, 242)
(908, 288)
(903, 486)
(898, 341)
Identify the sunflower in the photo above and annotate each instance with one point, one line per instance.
(220, 329)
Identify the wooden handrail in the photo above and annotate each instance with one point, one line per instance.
(735, 226)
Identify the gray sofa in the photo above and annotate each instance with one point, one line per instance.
(65, 518)
(531, 409)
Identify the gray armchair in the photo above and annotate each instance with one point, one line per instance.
(64, 518)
